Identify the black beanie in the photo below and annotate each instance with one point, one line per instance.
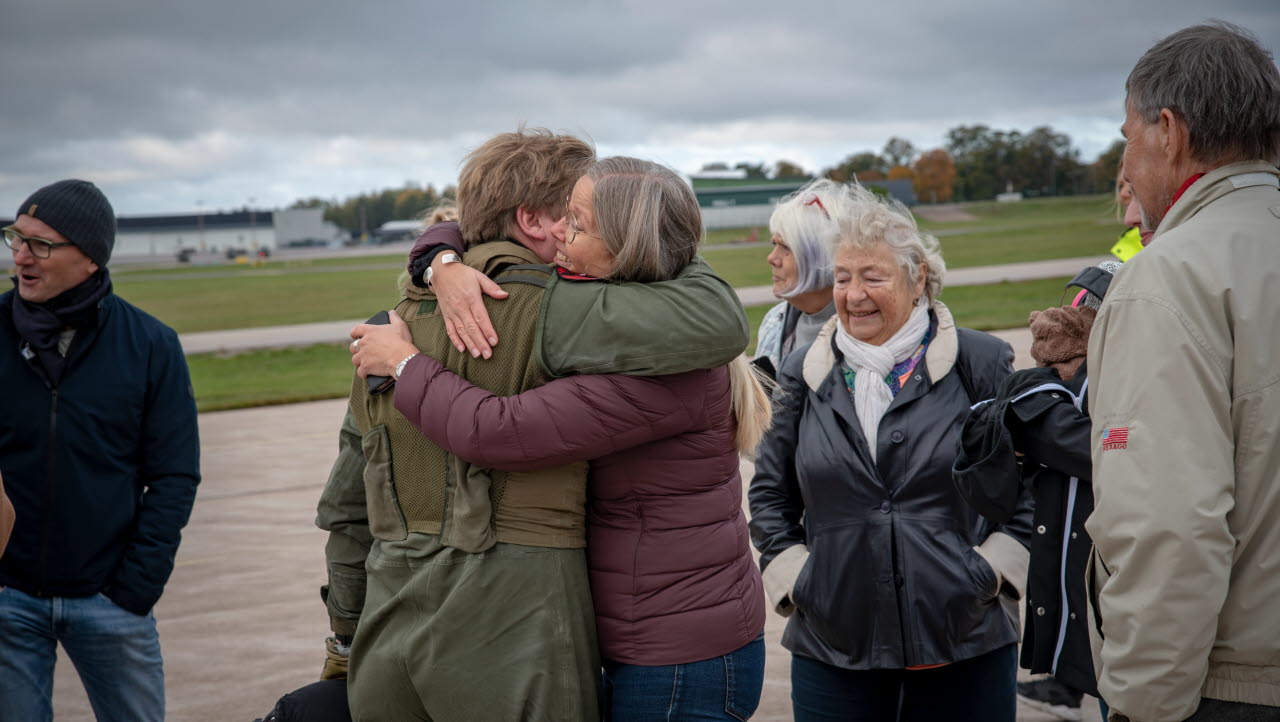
(79, 211)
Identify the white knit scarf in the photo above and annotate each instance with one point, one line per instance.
(871, 395)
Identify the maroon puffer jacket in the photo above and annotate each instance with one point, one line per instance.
(672, 575)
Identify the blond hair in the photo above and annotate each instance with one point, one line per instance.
(531, 167)
(441, 213)
(751, 405)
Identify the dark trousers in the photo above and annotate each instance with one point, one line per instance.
(1213, 710)
(324, 701)
(982, 689)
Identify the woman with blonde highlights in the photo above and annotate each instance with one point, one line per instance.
(679, 601)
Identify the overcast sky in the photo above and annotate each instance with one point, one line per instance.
(174, 105)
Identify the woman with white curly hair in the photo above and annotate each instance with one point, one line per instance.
(902, 600)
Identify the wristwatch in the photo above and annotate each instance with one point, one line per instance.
(400, 366)
(444, 258)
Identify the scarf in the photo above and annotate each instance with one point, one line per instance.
(40, 324)
(871, 395)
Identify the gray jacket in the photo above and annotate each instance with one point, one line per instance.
(1186, 456)
(886, 564)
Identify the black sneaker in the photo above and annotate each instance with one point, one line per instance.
(1051, 696)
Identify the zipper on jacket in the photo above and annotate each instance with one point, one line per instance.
(45, 528)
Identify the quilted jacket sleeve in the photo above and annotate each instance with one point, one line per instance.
(571, 419)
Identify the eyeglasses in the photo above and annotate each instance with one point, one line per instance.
(574, 230)
(39, 247)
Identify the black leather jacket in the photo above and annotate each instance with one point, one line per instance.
(892, 579)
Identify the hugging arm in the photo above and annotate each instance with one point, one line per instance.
(567, 420)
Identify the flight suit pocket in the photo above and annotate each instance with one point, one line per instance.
(468, 522)
(386, 521)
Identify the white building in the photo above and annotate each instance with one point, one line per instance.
(219, 232)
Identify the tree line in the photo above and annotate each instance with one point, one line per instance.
(976, 163)
(366, 211)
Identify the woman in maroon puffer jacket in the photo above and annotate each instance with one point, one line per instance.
(678, 598)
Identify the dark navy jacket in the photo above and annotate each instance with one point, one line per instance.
(103, 469)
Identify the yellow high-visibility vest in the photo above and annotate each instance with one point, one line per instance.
(1128, 246)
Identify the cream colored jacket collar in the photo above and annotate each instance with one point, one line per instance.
(939, 358)
(1215, 184)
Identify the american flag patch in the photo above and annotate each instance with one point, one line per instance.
(1116, 437)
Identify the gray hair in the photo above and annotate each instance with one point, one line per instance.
(647, 216)
(1222, 82)
(804, 221)
(868, 219)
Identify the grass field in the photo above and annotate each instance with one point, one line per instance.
(324, 371)
(209, 304)
(266, 268)
(276, 376)
(281, 292)
(1033, 230)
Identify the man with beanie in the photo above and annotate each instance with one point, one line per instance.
(99, 454)
(1185, 444)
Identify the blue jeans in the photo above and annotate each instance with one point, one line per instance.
(116, 653)
(721, 688)
(982, 689)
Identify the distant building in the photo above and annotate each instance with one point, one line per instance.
(737, 202)
(249, 230)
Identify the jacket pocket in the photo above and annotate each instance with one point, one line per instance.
(386, 521)
(985, 580)
(839, 589)
(947, 576)
(468, 519)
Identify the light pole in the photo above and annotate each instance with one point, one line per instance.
(253, 226)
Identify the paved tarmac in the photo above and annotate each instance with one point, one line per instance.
(306, 334)
(241, 621)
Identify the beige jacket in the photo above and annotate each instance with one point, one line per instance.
(1185, 576)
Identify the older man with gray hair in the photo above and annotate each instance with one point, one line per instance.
(1186, 436)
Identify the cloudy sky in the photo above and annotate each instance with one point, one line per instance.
(171, 106)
